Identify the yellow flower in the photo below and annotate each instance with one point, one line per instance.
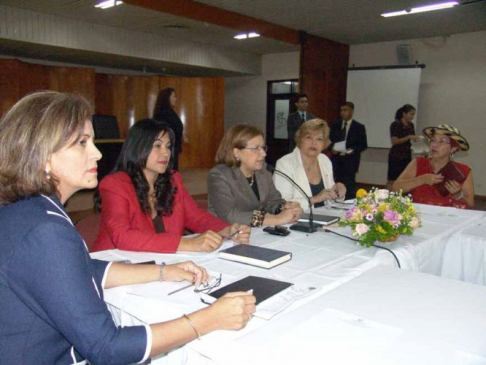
(380, 229)
(361, 193)
(382, 207)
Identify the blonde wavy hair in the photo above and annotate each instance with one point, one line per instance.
(310, 127)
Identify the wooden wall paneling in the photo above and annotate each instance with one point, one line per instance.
(103, 94)
(78, 80)
(9, 84)
(202, 104)
(33, 78)
(323, 75)
(143, 91)
(130, 98)
(217, 130)
(112, 98)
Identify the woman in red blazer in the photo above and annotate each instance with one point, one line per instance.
(145, 206)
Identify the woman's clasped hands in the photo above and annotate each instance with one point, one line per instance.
(292, 211)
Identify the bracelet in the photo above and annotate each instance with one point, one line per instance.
(161, 272)
(193, 326)
(459, 197)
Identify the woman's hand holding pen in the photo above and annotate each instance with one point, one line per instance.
(340, 190)
(208, 241)
(233, 310)
(237, 232)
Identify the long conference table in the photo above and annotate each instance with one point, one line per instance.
(352, 305)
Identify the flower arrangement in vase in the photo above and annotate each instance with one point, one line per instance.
(381, 215)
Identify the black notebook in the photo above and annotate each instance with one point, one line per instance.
(255, 255)
(263, 288)
(320, 218)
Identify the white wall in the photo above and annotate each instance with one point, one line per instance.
(452, 91)
(246, 97)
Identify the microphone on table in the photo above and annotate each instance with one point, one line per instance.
(307, 227)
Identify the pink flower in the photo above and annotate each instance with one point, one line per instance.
(391, 216)
(350, 212)
(369, 216)
(414, 223)
(353, 213)
(361, 229)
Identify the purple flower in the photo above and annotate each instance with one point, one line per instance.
(350, 212)
(391, 216)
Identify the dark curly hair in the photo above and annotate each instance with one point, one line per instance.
(133, 159)
(407, 108)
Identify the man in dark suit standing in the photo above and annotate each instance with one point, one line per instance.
(348, 139)
(295, 120)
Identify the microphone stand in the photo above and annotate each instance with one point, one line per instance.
(309, 227)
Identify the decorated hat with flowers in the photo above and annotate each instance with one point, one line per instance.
(449, 131)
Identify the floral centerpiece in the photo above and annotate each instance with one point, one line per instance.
(381, 215)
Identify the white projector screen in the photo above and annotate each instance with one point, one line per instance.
(377, 94)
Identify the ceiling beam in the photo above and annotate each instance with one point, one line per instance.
(211, 14)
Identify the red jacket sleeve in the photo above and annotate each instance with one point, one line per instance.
(125, 226)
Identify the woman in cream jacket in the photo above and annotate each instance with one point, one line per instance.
(309, 168)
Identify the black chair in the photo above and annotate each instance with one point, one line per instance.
(106, 126)
(106, 129)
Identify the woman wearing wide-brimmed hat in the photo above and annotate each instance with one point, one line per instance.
(438, 180)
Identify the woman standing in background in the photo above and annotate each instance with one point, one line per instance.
(164, 112)
(402, 131)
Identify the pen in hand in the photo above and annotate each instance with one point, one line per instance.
(230, 236)
(194, 283)
(181, 289)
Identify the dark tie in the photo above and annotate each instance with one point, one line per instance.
(343, 130)
(303, 117)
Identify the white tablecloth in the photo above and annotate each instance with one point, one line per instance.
(320, 260)
(465, 254)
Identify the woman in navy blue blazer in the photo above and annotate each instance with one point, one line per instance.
(51, 291)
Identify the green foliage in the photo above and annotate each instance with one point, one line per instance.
(381, 215)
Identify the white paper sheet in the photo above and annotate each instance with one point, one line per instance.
(340, 146)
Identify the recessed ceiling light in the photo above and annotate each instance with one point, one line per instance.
(246, 35)
(241, 36)
(108, 4)
(422, 9)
